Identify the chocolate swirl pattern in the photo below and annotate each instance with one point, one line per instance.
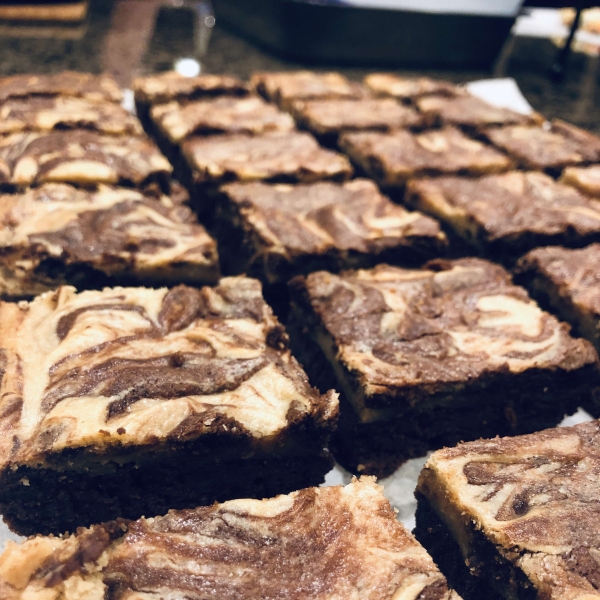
(80, 157)
(50, 234)
(454, 321)
(136, 366)
(95, 88)
(222, 115)
(318, 544)
(534, 497)
(45, 113)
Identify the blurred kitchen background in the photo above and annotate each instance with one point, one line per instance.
(550, 49)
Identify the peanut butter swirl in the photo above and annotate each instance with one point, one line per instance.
(80, 157)
(137, 366)
(46, 113)
(50, 232)
(450, 322)
(68, 83)
(534, 497)
(221, 115)
(315, 544)
(409, 88)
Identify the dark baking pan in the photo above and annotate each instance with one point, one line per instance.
(337, 33)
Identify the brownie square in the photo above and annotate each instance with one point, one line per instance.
(285, 88)
(317, 543)
(468, 111)
(585, 179)
(274, 232)
(58, 234)
(408, 88)
(131, 401)
(45, 113)
(221, 115)
(95, 88)
(546, 148)
(276, 156)
(393, 158)
(328, 118)
(80, 157)
(520, 512)
(569, 282)
(426, 358)
(504, 216)
(165, 87)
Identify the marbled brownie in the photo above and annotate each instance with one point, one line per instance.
(409, 88)
(130, 401)
(318, 543)
(80, 157)
(426, 358)
(166, 87)
(546, 148)
(468, 111)
(585, 179)
(276, 157)
(393, 158)
(284, 88)
(504, 216)
(328, 118)
(253, 115)
(58, 234)
(96, 88)
(62, 112)
(274, 232)
(569, 282)
(521, 513)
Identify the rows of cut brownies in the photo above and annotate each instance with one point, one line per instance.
(129, 401)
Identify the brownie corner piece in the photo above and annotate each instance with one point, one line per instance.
(414, 351)
(566, 280)
(331, 541)
(505, 215)
(58, 234)
(276, 231)
(131, 401)
(520, 512)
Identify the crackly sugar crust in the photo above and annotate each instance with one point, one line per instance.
(465, 109)
(409, 88)
(225, 115)
(547, 148)
(320, 543)
(585, 179)
(535, 497)
(115, 231)
(315, 218)
(507, 206)
(164, 87)
(272, 156)
(336, 115)
(44, 113)
(392, 158)
(68, 83)
(455, 321)
(138, 366)
(285, 87)
(78, 156)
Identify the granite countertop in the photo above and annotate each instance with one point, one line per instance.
(128, 37)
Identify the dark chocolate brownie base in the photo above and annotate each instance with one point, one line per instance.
(379, 448)
(52, 501)
(487, 575)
